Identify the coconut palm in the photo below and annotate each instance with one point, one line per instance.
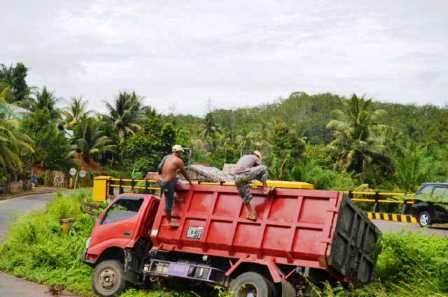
(45, 101)
(13, 143)
(210, 128)
(89, 141)
(124, 114)
(75, 113)
(358, 143)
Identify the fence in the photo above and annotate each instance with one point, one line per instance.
(380, 206)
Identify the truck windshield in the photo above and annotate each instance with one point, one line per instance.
(122, 209)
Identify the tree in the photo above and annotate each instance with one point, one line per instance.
(124, 114)
(45, 102)
(144, 150)
(15, 78)
(413, 166)
(52, 148)
(288, 149)
(89, 142)
(75, 113)
(210, 128)
(358, 144)
(13, 144)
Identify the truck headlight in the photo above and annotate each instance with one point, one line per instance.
(88, 242)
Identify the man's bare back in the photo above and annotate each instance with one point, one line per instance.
(172, 164)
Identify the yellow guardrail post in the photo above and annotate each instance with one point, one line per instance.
(100, 188)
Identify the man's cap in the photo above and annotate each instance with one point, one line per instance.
(177, 148)
(258, 154)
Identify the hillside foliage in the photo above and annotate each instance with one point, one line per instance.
(328, 140)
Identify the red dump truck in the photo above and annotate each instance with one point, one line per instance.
(299, 235)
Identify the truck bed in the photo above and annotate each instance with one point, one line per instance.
(306, 228)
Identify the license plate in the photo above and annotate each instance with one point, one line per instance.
(195, 232)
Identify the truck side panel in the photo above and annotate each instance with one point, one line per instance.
(294, 226)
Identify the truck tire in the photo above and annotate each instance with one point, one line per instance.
(251, 284)
(424, 219)
(108, 278)
(288, 290)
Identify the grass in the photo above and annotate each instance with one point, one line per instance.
(37, 249)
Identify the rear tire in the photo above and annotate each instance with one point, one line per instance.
(424, 219)
(251, 284)
(109, 279)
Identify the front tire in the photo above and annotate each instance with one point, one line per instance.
(108, 278)
(251, 284)
(424, 219)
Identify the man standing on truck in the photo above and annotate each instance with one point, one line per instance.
(247, 169)
(169, 166)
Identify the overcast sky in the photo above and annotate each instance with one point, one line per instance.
(179, 54)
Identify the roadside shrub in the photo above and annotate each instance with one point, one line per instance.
(36, 248)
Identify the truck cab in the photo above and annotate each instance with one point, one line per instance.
(119, 242)
(431, 204)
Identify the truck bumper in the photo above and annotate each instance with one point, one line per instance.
(86, 260)
(185, 270)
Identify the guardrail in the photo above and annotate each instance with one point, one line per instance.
(379, 199)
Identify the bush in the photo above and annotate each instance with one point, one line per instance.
(37, 249)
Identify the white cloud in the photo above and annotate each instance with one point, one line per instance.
(181, 53)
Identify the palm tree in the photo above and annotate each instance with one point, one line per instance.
(89, 141)
(13, 143)
(358, 143)
(75, 113)
(124, 114)
(210, 128)
(45, 101)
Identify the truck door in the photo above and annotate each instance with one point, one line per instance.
(120, 222)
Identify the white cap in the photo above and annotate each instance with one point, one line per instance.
(177, 148)
(258, 154)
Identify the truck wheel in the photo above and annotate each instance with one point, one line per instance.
(424, 218)
(108, 278)
(251, 284)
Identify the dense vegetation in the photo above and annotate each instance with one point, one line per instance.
(330, 141)
(37, 249)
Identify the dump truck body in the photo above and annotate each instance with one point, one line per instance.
(306, 228)
(298, 232)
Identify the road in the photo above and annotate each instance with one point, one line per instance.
(388, 226)
(12, 208)
(9, 210)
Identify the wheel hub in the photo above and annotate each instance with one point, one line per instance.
(424, 219)
(248, 291)
(107, 278)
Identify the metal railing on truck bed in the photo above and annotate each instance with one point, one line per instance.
(105, 186)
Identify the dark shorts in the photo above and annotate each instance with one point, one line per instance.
(243, 180)
(168, 188)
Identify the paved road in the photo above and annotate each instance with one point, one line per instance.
(388, 226)
(9, 210)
